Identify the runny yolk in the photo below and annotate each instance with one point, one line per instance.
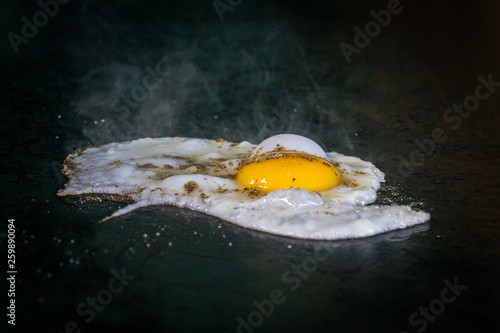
(286, 170)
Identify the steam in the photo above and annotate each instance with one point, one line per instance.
(210, 90)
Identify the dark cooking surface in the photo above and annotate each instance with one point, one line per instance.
(245, 79)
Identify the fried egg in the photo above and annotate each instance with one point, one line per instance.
(287, 185)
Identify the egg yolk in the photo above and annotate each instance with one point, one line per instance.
(285, 170)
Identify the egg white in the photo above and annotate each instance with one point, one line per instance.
(200, 174)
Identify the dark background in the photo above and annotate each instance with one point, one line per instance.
(268, 68)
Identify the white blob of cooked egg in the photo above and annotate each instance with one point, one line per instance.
(291, 142)
(251, 186)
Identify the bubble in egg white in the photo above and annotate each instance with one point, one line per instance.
(289, 142)
(199, 174)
